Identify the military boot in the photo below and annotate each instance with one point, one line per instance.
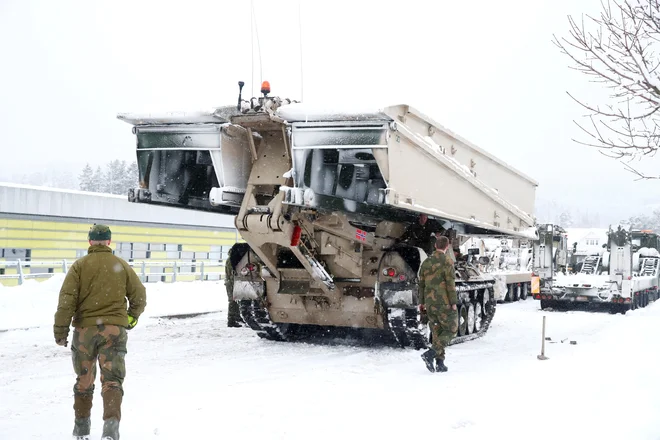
(233, 322)
(440, 365)
(81, 428)
(428, 357)
(234, 315)
(110, 429)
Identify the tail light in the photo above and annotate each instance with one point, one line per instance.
(389, 272)
(402, 277)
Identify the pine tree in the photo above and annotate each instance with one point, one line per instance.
(131, 177)
(100, 183)
(87, 179)
(116, 177)
(565, 220)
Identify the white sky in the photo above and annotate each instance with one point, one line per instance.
(487, 70)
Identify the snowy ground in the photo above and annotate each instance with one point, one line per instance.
(196, 378)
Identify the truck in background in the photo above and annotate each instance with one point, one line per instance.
(518, 263)
(624, 276)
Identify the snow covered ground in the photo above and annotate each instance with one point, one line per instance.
(196, 378)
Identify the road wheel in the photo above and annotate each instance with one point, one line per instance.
(462, 320)
(478, 317)
(470, 319)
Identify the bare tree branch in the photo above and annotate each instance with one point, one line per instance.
(619, 49)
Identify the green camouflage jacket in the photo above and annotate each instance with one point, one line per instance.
(95, 290)
(437, 287)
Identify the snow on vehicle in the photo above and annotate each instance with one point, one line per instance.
(323, 198)
(624, 276)
(509, 262)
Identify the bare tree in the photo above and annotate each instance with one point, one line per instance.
(620, 50)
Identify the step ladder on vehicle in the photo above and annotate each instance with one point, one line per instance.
(590, 265)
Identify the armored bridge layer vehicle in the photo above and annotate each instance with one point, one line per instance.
(325, 201)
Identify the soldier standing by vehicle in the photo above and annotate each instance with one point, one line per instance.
(437, 299)
(234, 256)
(421, 234)
(94, 294)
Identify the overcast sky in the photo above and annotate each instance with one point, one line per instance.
(487, 70)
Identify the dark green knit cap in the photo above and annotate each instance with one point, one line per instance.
(99, 233)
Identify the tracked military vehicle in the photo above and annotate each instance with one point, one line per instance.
(324, 200)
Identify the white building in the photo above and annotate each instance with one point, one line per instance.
(589, 240)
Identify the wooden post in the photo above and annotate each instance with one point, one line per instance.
(542, 356)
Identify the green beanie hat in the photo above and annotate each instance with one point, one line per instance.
(99, 233)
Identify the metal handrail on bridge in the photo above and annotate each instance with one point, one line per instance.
(175, 265)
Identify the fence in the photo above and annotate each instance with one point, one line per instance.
(168, 270)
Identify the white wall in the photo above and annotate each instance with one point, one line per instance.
(30, 200)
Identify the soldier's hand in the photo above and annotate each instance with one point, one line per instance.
(422, 309)
(453, 306)
(132, 322)
(62, 342)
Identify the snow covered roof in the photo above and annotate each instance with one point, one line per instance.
(31, 200)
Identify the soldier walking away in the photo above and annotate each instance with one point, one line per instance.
(94, 294)
(437, 299)
(234, 256)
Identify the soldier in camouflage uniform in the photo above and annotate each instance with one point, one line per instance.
(234, 256)
(438, 299)
(94, 295)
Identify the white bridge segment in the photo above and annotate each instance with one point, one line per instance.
(427, 168)
(434, 171)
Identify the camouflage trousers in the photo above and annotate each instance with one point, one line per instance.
(233, 314)
(105, 344)
(444, 325)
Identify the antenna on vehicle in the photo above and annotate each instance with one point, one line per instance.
(256, 31)
(240, 89)
(252, 45)
(301, 51)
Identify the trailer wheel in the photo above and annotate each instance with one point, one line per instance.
(514, 293)
(462, 320)
(524, 291)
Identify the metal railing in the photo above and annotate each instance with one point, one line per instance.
(178, 268)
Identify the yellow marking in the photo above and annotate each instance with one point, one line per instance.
(536, 285)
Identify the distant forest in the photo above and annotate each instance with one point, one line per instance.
(115, 177)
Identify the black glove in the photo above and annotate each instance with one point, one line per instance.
(62, 341)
